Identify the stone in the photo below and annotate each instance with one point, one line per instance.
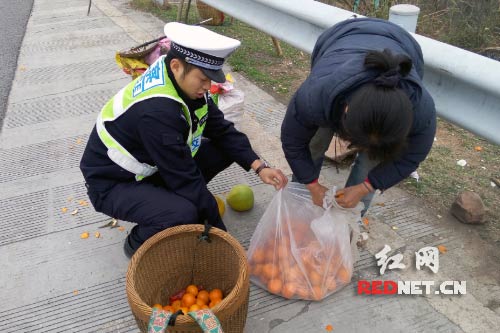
(468, 208)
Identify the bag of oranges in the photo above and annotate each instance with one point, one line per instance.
(300, 250)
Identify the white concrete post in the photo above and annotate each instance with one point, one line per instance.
(405, 16)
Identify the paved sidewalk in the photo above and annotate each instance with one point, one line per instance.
(53, 281)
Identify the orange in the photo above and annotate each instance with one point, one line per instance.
(220, 205)
(184, 309)
(192, 289)
(214, 303)
(260, 269)
(168, 308)
(256, 269)
(288, 290)
(158, 306)
(331, 284)
(302, 292)
(269, 271)
(343, 275)
(194, 307)
(258, 256)
(294, 274)
(203, 307)
(188, 300)
(176, 304)
(215, 294)
(274, 286)
(203, 296)
(318, 293)
(199, 302)
(315, 277)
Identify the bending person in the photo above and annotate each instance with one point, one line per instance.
(366, 87)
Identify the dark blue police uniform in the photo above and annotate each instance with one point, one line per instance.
(155, 131)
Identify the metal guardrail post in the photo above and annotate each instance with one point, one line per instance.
(405, 16)
(465, 86)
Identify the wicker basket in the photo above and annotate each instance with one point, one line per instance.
(206, 12)
(164, 265)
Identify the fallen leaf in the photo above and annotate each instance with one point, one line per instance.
(78, 141)
(121, 228)
(111, 224)
(70, 199)
(75, 292)
(74, 212)
(329, 328)
(64, 209)
(366, 221)
(83, 203)
(394, 227)
(97, 234)
(478, 148)
(442, 249)
(381, 204)
(84, 235)
(22, 68)
(439, 216)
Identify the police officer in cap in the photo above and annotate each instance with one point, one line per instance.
(160, 140)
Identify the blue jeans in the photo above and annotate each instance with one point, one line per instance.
(359, 170)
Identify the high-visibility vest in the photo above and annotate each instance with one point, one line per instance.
(153, 83)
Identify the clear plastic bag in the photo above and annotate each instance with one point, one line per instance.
(231, 104)
(301, 251)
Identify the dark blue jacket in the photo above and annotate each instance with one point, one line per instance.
(154, 131)
(336, 70)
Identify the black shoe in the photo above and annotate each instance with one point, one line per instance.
(131, 245)
(129, 251)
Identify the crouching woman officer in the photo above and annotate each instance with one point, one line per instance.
(160, 140)
(366, 86)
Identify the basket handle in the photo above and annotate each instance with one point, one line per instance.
(205, 234)
(205, 318)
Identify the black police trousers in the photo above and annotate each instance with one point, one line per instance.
(154, 208)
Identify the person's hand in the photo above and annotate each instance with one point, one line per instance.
(273, 177)
(317, 193)
(349, 197)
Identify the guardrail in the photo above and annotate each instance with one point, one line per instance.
(465, 86)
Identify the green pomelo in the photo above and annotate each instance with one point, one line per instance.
(240, 198)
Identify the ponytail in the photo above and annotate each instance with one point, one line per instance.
(392, 67)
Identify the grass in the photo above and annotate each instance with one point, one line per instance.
(441, 178)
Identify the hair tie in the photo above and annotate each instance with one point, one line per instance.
(389, 79)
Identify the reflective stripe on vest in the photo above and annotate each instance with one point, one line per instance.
(153, 83)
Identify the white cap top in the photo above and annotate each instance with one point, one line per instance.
(404, 10)
(201, 39)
